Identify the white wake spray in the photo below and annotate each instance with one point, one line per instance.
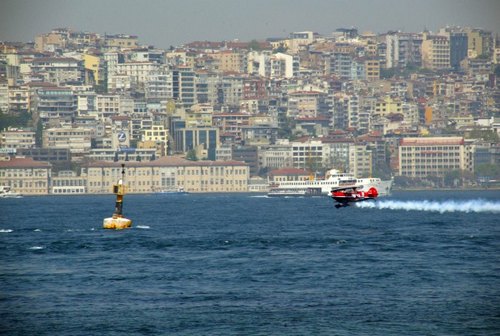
(435, 206)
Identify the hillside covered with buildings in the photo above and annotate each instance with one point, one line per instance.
(221, 116)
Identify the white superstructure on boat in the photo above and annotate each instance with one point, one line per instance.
(6, 192)
(333, 179)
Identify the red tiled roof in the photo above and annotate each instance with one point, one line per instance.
(166, 161)
(23, 163)
(288, 171)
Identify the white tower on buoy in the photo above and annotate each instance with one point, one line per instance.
(118, 222)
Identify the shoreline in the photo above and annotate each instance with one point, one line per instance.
(415, 189)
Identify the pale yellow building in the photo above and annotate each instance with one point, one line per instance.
(372, 69)
(121, 41)
(387, 106)
(155, 137)
(94, 68)
(436, 52)
(229, 61)
(360, 160)
(25, 176)
(169, 173)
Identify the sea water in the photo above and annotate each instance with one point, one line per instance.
(419, 263)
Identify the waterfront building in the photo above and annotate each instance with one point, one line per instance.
(433, 156)
(169, 173)
(122, 154)
(25, 175)
(288, 175)
(66, 182)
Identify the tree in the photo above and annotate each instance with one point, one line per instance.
(254, 45)
(487, 170)
(191, 155)
(39, 133)
(452, 178)
(497, 70)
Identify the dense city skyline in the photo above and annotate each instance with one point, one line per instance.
(165, 23)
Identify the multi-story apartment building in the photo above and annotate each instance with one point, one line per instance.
(360, 160)
(110, 105)
(4, 97)
(95, 71)
(433, 156)
(458, 45)
(50, 41)
(169, 173)
(54, 103)
(480, 42)
(76, 139)
(310, 155)
(230, 61)
(16, 138)
(120, 41)
(306, 104)
(276, 156)
(184, 87)
(159, 87)
(231, 123)
(403, 49)
(158, 135)
(58, 70)
(269, 65)
(231, 90)
(138, 72)
(436, 52)
(339, 153)
(196, 138)
(200, 115)
(372, 69)
(207, 88)
(18, 99)
(26, 176)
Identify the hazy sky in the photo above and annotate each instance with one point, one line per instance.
(172, 22)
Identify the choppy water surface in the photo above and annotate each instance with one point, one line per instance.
(414, 264)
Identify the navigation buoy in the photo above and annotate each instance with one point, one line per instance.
(118, 222)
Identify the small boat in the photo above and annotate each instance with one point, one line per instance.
(178, 191)
(6, 192)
